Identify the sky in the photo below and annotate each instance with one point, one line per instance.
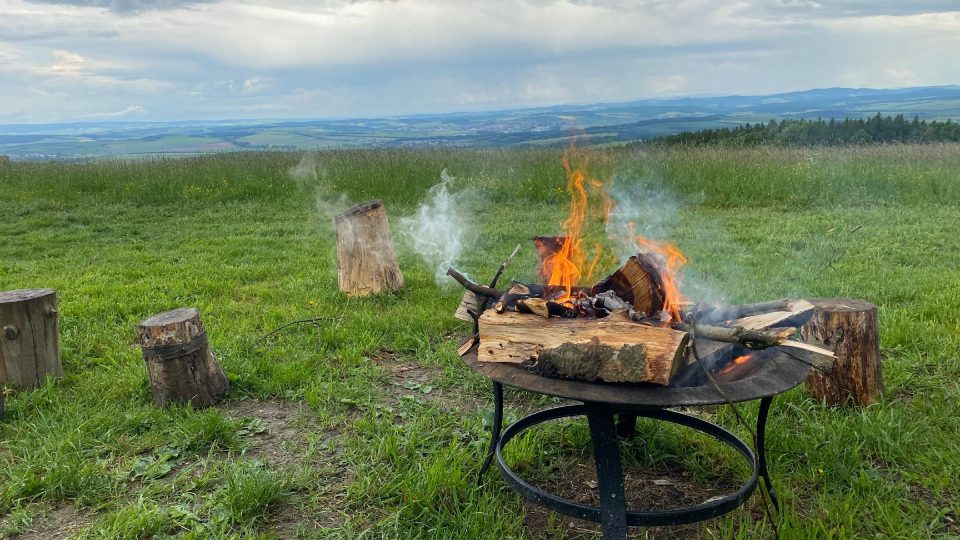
(168, 60)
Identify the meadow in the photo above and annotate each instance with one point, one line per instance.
(368, 425)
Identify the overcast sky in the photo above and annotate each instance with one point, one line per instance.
(83, 60)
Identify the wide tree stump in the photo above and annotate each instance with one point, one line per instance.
(366, 262)
(29, 338)
(849, 328)
(180, 364)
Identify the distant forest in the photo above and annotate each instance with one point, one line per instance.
(876, 129)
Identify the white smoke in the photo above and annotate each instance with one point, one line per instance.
(310, 175)
(306, 170)
(438, 229)
(639, 209)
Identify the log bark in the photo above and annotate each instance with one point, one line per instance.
(849, 328)
(29, 338)
(519, 338)
(180, 364)
(366, 262)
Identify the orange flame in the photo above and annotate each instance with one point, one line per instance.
(741, 359)
(671, 260)
(565, 264)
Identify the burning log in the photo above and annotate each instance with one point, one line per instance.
(638, 282)
(29, 340)
(518, 338)
(180, 364)
(849, 328)
(366, 263)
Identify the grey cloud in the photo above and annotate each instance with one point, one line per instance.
(854, 8)
(128, 7)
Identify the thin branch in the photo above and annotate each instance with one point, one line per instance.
(314, 321)
(476, 288)
(496, 277)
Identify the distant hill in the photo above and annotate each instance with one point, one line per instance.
(604, 123)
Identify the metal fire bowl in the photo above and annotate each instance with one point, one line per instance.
(777, 372)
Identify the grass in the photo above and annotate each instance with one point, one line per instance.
(378, 453)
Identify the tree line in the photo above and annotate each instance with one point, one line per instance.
(796, 132)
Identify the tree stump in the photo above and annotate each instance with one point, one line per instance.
(849, 328)
(366, 263)
(180, 364)
(29, 339)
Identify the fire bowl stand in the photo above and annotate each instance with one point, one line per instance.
(608, 422)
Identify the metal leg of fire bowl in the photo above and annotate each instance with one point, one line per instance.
(606, 455)
(626, 426)
(494, 429)
(761, 451)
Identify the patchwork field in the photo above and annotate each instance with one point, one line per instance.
(368, 425)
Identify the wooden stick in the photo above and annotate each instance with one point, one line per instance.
(496, 277)
(738, 334)
(489, 292)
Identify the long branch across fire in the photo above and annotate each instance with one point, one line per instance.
(633, 325)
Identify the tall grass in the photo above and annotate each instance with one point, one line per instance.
(757, 177)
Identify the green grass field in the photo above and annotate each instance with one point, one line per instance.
(369, 426)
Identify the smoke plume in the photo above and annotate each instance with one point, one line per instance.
(438, 229)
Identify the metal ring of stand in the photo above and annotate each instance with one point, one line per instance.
(612, 512)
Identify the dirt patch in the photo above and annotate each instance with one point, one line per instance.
(645, 490)
(284, 445)
(60, 522)
(285, 428)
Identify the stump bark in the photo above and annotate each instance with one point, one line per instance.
(366, 262)
(29, 338)
(848, 328)
(180, 364)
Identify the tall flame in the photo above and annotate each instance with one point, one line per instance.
(566, 263)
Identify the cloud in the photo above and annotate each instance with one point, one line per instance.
(128, 7)
(201, 59)
(855, 8)
(131, 110)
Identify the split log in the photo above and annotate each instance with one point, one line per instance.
(518, 338)
(366, 262)
(180, 364)
(29, 340)
(849, 328)
(470, 302)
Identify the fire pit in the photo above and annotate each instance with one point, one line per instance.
(625, 346)
(611, 411)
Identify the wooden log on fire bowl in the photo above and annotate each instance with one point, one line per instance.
(180, 364)
(612, 349)
(848, 328)
(366, 262)
(29, 338)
